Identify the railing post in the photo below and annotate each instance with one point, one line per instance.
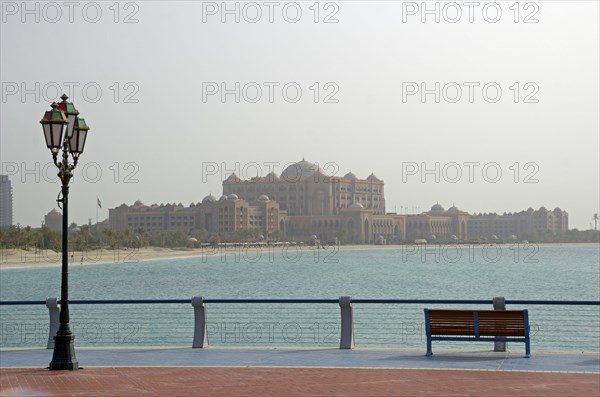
(54, 312)
(499, 304)
(200, 329)
(347, 336)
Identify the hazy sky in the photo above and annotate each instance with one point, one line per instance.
(160, 131)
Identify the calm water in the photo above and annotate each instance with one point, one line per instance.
(476, 272)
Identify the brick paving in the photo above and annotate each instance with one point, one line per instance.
(288, 382)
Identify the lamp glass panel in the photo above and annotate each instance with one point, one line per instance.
(73, 142)
(47, 135)
(77, 141)
(71, 119)
(81, 143)
(57, 134)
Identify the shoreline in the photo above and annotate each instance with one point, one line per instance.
(23, 259)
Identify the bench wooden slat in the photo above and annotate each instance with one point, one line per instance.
(444, 323)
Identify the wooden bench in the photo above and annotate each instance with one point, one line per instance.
(478, 326)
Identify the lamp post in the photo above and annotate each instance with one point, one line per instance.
(63, 129)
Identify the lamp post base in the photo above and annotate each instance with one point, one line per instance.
(63, 357)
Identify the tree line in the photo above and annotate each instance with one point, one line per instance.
(88, 237)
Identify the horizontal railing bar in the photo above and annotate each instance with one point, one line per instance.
(413, 301)
(15, 303)
(127, 301)
(271, 301)
(331, 301)
(545, 302)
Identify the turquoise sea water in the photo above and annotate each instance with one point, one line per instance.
(410, 272)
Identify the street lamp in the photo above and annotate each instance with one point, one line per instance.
(64, 129)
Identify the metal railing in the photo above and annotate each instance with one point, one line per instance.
(344, 322)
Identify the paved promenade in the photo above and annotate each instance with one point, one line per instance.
(300, 372)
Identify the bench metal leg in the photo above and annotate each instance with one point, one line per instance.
(429, 352)
(527, 348)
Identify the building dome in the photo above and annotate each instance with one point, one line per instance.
(300, 170)
(356, 206)
(557, 209)
(271, 177)
(350, 176)
(223, 197)
(372, 177)
(453, 209)
(263, 197)
(233, 178)
(209, 199)
(437, 207)
(232, 196)
(543, 209)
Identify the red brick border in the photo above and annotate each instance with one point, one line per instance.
(262, 381)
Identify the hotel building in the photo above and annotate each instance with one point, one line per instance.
(303, 202)
(227, 214)
(346, 208)
(529, 225)
(303, 189)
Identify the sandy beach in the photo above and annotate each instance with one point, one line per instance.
(20, 258)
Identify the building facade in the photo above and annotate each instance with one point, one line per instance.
(6, 201)
(53, 220)
(225, 215)
(451, 224)
(303, 189)
(355, 224)
(454, 224)
(332, 208)
(525, 225)
(303, 203)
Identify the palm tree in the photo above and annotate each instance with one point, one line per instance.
(125, 238)
(110, 238)
(144, 237)
(84, 235)
(199, 234)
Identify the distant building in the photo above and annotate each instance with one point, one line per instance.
(303, 189)
(305, 204)
(455, 224)
(347, 209)
(355, 224)
(524, 225)
(102, 225)
(228, 214)
(53, 220)
(6, 201)
(452, 224)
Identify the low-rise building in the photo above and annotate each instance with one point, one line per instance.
(53, 220)
(524, 225)
(225, 215)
